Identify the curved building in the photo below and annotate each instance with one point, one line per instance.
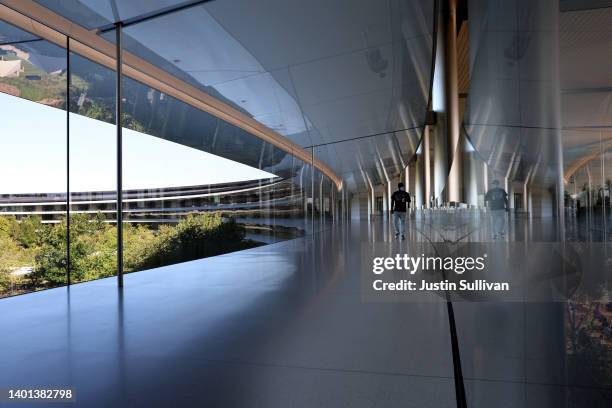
(364, 203)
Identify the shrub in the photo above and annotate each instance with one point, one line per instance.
(194, 237)
(8, 224)
(93, 251)
(8, 261)
(29, 231)
(137, 241)
(93, 246)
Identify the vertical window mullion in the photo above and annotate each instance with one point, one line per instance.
(118, 111)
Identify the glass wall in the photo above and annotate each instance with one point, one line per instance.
(193, 185)
(365, 165)
(587, 197)
(93, 171)
(538, 113)
(175, 208)
(33, 165)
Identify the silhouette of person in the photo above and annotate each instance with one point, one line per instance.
(496, 201)
(400, 200)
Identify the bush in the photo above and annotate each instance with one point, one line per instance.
(8, 261)
(8, 224)
(29, 232)
(194, 237)
(93, 247)
(93, 251)
(137, 241)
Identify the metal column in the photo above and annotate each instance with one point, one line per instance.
(451, 89)
(118, 111)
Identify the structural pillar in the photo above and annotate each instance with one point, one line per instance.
(485, 177)
(369, 205)
(389, 194)
(427, 165)
(451, 90)
(119, 125)
(448, 149)
(525, 198)
(385, 203)
(419, 179)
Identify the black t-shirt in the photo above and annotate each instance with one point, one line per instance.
(400, 199)
(497, 198)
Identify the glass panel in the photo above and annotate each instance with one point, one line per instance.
(33, 69)
(151, 112)
(537, 113)
(300, 185)
(90, 14)
(33, 187)
(195, 186)
(231, 59)
(317, 201)
(93, 170)
(92, 92)
(11, 35)
(215, 62)
(93, 14)
(132, 9)
(326, 202)
(306, 187)
(371, 157)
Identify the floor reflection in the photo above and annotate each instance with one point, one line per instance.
(534, 354)
(286, 325)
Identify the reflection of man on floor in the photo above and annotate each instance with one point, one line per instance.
(399, 201)
(496, 201)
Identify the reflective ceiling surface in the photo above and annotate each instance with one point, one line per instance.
(323, 72)
(10, 34)
(93, 14)
(586, 61)
(540, 91)
(316, 72)
(513, 114)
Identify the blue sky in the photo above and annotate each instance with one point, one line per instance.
(33, 140)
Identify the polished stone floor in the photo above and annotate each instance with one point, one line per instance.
(283, 325)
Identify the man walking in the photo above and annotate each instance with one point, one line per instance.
(399, 201)
(496, 200)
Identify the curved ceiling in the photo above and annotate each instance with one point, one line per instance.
(30, 16)
(539, 104)
(513, 112)
(347, 78)
(586, 58)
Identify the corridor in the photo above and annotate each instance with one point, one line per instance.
(284, 325)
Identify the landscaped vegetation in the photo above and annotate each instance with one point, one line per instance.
(33, 254)
(588, 347)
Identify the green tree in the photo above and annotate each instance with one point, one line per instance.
(29, 231)
(8, 224)
(13, 254)
(93, 251)
(194, 237)
(93, 246)
(8, 261)
(137, 242)
(50, 261)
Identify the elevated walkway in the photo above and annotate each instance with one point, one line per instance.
(283, 325)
